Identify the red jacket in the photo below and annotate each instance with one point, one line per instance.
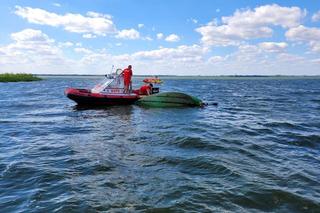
(127, 74)
(144, 90)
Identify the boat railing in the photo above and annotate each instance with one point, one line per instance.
(112, 81)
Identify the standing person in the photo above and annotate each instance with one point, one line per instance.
(127, 74)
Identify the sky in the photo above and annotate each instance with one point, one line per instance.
(161, 37)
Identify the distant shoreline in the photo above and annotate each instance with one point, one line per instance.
(198, 77)
(18, 77)
(192, 76)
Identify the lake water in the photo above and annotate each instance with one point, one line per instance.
(257, 151)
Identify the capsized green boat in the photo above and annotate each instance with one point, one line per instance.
(170, 99)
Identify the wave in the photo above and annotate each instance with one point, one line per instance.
(310, 141)
(276, 200)
(196, 143)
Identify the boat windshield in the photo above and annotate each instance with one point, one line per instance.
(112, 81)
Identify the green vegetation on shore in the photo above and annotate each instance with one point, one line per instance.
(11, 77)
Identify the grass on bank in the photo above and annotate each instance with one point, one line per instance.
(11, 77)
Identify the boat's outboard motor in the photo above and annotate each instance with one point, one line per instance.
(155, 90)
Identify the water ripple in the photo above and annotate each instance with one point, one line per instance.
(257, 151)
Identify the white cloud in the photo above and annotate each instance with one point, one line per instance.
(30, 35)
(172, 38)
(89, 35)
(311, 35)
(302, 33)
(273, 46)
(181, 53)
(33, 51)
(286, 57)
(160, 36)
(216, 59)
(30, 46)
(317, 61)
(250, 24)
(30, 42)
(248, 54)
(98, 15)
(82, 50)
(316, 16)
(94, 23)
(267, 15)
(315, 46)
(251, 59)
(193, 20)
(222, 35)
(130, 34)
(148, 38)
(56, 4)
(140, 25)
(65, 44)
(248, 59)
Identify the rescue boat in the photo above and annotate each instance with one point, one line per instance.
(109, 92)
(87, 97)
(154, 80)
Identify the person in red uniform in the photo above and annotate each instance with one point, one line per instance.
(146, 89)
(127, 74)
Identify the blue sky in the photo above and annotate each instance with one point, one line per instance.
(161, 37)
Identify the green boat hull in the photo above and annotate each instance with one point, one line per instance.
(170, 99)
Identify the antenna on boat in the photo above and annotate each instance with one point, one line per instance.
(112, 68)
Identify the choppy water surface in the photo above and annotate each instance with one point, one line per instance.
(258, 150)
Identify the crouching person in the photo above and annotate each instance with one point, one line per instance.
(146, 89)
